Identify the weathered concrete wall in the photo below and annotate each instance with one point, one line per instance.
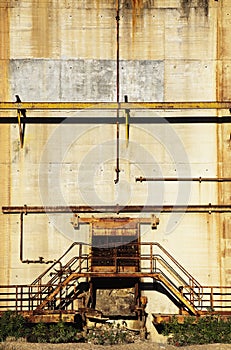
(171, 50)
(5, 154)
(223, 135)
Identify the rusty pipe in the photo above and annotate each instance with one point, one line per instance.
(203, 208)
(21, 236)
(117, 170)
(184, 179)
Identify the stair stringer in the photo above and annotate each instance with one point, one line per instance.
(62, 285)
(177, 294)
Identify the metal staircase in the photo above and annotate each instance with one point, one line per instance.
(173, 277)
(69, 277)
(53, 281)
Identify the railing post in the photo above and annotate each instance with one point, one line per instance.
(87, 262)
(211, 299)
(16, 298)
(39, 293)
(151, 257)
(193, 292)
(80, 257)
(21, 298)
(115, 259)
(30, 299)
(28, 295)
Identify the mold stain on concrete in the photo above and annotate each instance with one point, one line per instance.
(201, 5)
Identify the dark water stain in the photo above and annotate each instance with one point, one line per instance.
(202, 5)
(137, 7)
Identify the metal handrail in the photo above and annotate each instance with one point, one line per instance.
(193, 281)
(59, 273)
(192, 286)
(18, 297)
(39, 278)
(57, 278)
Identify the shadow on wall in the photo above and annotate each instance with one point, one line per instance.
(197, 4)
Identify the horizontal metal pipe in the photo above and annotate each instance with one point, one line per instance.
(115, 105)
(184, 179)
(219, 208)
(112, 120)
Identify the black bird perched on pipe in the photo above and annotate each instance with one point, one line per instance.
(23, 111)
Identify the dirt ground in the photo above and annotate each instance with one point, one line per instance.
(141, 345)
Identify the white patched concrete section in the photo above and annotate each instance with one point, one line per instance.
(59, 51)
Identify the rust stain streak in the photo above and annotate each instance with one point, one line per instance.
(41, 29)
(137, 6)
(219, 136)
(4, 33)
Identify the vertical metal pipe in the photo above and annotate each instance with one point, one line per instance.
(127, 114)
(21, 237)
(117, 170)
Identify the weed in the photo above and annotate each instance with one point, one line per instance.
(12, 325)
(63, 333)
(54, 333)
(39, 333)
(208, 329)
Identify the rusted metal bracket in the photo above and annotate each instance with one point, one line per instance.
(155, 221)
(113, 222)
(75, 221)
(21, 115)
(21, 126)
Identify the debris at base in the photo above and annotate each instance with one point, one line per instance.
(111, 333)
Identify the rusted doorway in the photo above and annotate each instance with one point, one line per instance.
(115, 245)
